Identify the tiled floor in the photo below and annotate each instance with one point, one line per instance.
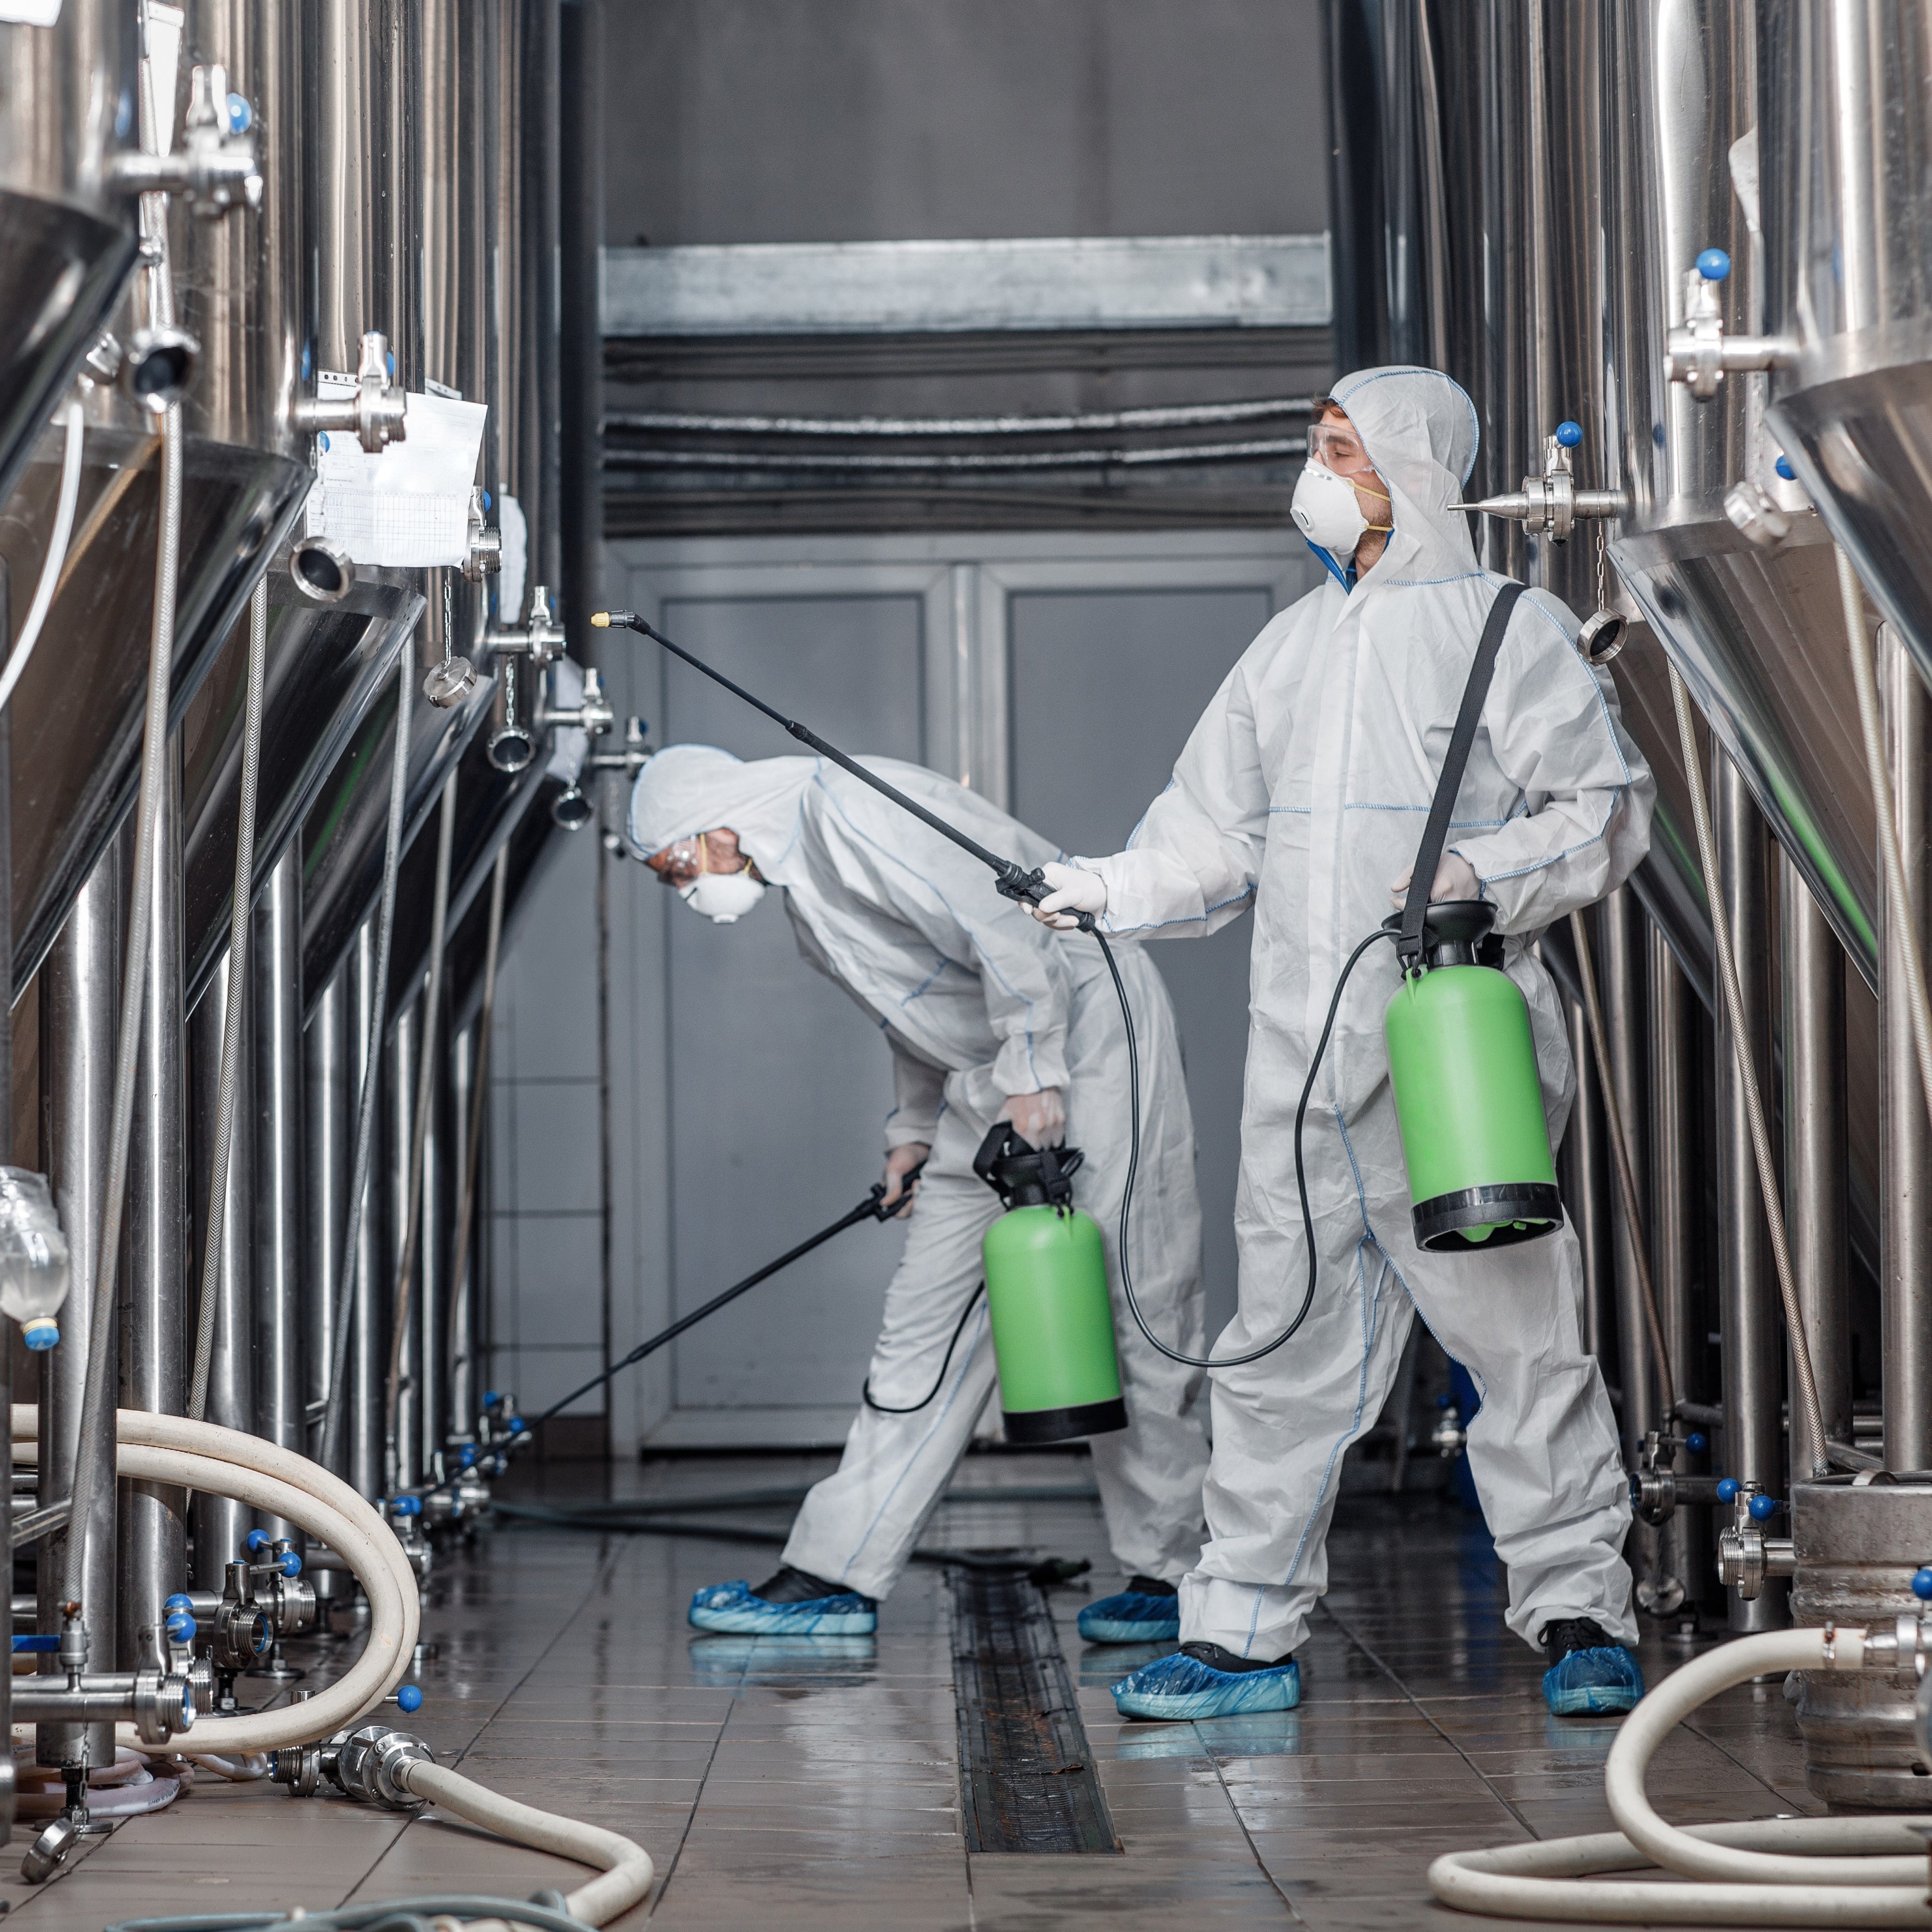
(807, 1785)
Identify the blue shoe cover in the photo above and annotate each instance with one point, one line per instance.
(1131, 1616)
(1593, 1683)
(732, 1609)
(1180, 1686)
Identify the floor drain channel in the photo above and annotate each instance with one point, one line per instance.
(1027, 1783)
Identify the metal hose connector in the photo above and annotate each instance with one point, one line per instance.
(1732, 995)
(87, 1470)
(1872, 725)
(229, 1080)
(365, 1121)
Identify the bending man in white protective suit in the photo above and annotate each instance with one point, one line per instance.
(1303, 791)
(988, 1018)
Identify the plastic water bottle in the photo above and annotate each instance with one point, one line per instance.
(33, 1267)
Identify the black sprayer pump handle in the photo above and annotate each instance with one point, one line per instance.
(1010, 879)
(1408, 945)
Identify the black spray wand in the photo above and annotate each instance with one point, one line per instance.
(1013, 881)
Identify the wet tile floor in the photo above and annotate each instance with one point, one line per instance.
(808, 1785)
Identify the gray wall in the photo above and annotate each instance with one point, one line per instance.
(734, 121)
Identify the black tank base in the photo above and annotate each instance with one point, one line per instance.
(1032, 1426)
(1517, 1211)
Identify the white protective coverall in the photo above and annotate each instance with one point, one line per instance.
(1304, 791)
(977, 1003)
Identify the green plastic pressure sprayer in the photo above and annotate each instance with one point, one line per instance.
(1046, 1291)
(1468, 1099)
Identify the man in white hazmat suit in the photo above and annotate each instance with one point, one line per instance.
(1302, 792)
(989, 1018)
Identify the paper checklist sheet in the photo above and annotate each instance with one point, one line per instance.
(408, 508)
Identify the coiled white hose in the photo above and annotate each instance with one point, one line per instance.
(55, 560)
(224, 1462)
(1864, 1871)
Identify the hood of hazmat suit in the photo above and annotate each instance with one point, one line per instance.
(1303, 792)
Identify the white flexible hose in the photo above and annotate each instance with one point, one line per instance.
(56, 557)
(627, 1867)
(1869, 1871)
(223, 1461)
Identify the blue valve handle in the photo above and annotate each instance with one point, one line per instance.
(1697, 1442)
(24, 1643)
(179, 1602)
(405, 1505)
(1921, 1587)
(1714, 265)
(255, 1541)
(406, 1697)
(1783, 466)
(1763, 1508)
(180, 1626)
(1727, 1489)
(1569, 435)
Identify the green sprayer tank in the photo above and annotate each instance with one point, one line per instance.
(1046, 1291)
(1468, 1096)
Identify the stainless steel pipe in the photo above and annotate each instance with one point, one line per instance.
(1676, 1219)
(220, 1522)
(1584, 1162)
(1620, 923)
(278, 1120)
(1749, 1320)
(1815, 1124)
(78, 999)
(399, 1102)
(464, 1328)
(1905, 1139)
(367, 1270)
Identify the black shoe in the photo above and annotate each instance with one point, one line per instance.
(1152, 1586)
(1216, 1658)
(797, 1586)
(1567, 1634)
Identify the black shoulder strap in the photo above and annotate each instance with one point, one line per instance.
(1428, 855)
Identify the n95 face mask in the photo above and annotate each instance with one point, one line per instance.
(1325, 511)
(723, 896)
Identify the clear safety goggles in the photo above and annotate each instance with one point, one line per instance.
(1336, 446)
(678, 864)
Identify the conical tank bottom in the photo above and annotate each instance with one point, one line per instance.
(345, 832)
(1757, 635)
(76, 713)
(1863, 443)
(327, 665)
(61, 271)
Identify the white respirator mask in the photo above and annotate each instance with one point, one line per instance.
(1325, 510)
(723, 896)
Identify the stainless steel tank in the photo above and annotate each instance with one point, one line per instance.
(1847, 315)
(1856, 1542)
(77, 708)
(67, 237)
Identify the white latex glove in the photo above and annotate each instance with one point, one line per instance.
(900, 1161)
(1074, 890)
(1455, 879)
(1040, 1118)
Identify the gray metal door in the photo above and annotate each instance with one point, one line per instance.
(1105, 687)
(778, 1083)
